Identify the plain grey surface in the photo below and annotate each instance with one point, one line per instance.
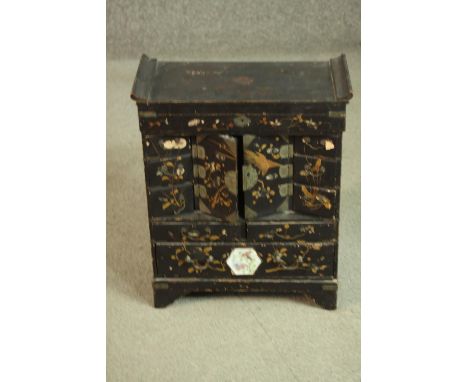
(219, 338)
(230, 30)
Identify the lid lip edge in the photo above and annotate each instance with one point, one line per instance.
(341, 79)
(142, 84)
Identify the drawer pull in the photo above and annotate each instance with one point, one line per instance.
(243, 261)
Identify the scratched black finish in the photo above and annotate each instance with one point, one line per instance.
(202, 82)
(212, 133)
(258, 124)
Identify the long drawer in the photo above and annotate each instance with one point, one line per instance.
(223, 260)
(240, 124)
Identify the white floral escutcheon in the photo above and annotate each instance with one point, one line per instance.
(243, 261)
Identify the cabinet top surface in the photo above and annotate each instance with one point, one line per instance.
(242, 82)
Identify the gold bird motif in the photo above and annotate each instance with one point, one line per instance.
(314, 196)
(324, 201)
(260, 161)
(317, 166)
(309, 195)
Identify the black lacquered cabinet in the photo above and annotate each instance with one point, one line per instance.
(242, 166)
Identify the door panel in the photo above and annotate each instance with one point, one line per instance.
(216, 176)
(267, 175)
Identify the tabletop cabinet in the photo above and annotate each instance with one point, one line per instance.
(242, 166)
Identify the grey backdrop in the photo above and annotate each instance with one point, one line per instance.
(197, 29)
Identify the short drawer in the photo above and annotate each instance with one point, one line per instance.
(169, 171)
(246, 259)
(317, 171)
(318, 145)
(315, 201)
(197, 231)
(168, 201)
(308, 231)
(162, 146)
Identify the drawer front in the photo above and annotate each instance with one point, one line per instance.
(251, 260)
(197, 231)
(315, 201)
(316, 171)
(169, 171)
(307, 231)
(318, 145)
(167, 201)
(239, 124)
(157, 146)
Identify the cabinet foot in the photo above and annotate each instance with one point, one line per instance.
(164, 297)
(325, 299)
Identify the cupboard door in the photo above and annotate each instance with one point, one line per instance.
(267, 175)
(216, 174)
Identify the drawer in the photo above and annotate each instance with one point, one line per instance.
(240, 124)
(169, 171)
(248, 260)
(308, 231)
(317, 171)
(316, 201)
(197, 231)
(318, 145)
(167, 201)
(163, 146)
